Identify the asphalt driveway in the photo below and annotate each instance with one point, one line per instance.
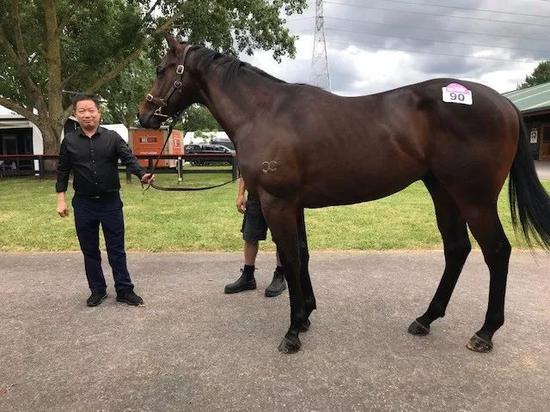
(193, 348)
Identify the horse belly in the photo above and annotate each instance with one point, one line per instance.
(350, 185)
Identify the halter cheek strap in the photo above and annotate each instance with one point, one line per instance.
(180, 69)
(163, 102)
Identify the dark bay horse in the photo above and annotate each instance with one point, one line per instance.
(301, 147)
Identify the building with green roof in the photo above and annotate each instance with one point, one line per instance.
(534, 104)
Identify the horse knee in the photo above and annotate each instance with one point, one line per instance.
(458, 250)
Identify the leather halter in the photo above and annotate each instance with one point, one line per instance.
(163, 102)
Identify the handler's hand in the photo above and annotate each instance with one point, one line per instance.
(148, 178)
(62, 209)
(241, 204)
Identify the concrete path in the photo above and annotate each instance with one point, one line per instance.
(193, 348)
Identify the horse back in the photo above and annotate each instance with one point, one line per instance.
(329, 149)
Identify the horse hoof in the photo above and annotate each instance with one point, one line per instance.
(480, 345)
(418, 329)
(290, 345)
(305, 326)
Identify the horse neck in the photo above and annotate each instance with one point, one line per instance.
(233, 104)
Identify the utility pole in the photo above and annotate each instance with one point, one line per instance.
(319, 62)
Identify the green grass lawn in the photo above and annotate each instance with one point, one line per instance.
(208, 220)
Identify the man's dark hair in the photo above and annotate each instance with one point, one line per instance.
(80, 97)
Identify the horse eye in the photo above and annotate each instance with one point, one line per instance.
(160, 70)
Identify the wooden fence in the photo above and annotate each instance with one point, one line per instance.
(33, 165)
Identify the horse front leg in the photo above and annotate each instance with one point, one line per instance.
(307, 288)
(281, 218)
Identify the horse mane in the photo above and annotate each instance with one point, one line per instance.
(232, 66)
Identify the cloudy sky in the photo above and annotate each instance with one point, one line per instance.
(378, 45)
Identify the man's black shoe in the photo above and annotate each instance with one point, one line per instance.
(277, 286)
(130, 298)
(96, 298)
(245, 282)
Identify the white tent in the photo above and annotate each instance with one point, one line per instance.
(205, 137)
(10, 121)
(119, 128)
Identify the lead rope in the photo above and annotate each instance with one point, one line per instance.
(152, 172)
(176, 189)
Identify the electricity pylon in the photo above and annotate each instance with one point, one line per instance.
(319, 61)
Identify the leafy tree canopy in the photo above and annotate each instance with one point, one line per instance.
(197, 118)
(540, 75)
(106, 47)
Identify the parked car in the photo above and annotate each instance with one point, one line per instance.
(207, 149)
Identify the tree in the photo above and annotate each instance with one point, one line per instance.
(198, 118)
(540, 75)
(47, 46)
(122, 95)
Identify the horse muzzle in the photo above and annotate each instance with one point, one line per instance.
(149, 120)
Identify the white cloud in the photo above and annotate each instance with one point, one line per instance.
(409, 44)
(507, 80)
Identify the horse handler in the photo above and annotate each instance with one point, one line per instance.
(92, 153)
(254, 229)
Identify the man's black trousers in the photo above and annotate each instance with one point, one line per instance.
(89, 213)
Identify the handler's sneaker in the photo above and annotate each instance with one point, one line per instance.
(277, 286)
(96, 298)
(245, 282)
(129, 297)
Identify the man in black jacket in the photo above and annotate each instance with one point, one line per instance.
(92, 153)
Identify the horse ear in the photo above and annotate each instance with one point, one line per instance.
(172, 41)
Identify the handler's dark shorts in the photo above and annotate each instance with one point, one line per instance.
(254, 226)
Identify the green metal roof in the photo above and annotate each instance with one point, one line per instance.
(532, 98)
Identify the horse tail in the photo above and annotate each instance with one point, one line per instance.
(529, 202)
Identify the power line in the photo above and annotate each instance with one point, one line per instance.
(438, 14)
(431, 53)
(435, 40)
(290, 20)
(443, 6)
(416, 27)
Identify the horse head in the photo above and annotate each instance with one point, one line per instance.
(174, 89)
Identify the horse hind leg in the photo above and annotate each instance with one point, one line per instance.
(457, 247)
(486, 227)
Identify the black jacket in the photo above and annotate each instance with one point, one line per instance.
(94, 162)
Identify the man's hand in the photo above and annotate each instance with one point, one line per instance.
(241, 203)
(62, 209)
(148, 178)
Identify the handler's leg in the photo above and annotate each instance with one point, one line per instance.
(87, 230)
(112, 222)
(278, 283)
(253, 229)
(246, 280)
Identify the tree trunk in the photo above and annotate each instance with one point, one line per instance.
(51, 137)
